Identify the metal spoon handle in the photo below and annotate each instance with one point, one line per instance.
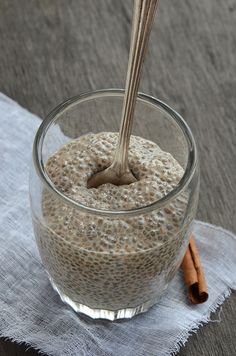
(143, 15)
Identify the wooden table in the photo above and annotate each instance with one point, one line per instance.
(54, 49)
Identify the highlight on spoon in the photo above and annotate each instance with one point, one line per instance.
(109, 175)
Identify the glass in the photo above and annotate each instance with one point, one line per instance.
(104, 283)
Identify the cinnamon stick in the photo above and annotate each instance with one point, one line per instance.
(194, 274)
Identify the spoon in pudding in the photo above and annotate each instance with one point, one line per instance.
(119, 172)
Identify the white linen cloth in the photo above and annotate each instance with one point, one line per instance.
(32, 312)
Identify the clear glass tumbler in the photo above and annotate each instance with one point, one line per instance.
(108, 284)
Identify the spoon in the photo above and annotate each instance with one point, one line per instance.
(118, 172)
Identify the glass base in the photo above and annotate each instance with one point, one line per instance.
(126, 313)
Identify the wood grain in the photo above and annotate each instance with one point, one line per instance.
(53, 49)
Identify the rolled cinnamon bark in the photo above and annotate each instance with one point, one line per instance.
(194, 274)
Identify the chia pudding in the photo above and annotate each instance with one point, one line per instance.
(106, 262)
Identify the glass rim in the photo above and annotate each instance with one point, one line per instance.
(52, 117)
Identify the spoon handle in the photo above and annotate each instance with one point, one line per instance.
(143, 15)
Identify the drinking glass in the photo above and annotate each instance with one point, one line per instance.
(101, 282)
